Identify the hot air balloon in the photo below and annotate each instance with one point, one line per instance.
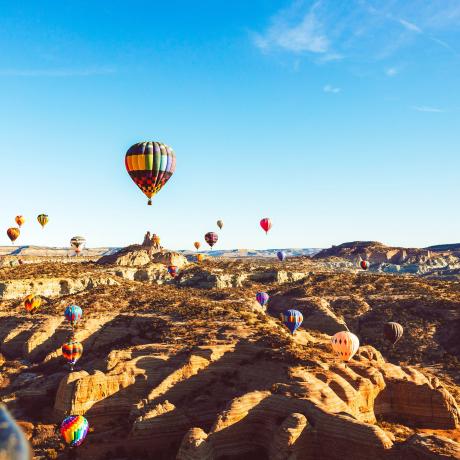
(345, 344)
(32, 302)
(292, 319)
(199, 258)
(211, 238)
(156, 240)
(13, 443)
(220, 224)
(173, 270)
(197, 245)
(19, 220)
(72, 352)
(364, 264)
(77, 243)
(150, 165)
(281, 255)
(266, 224)
(74, 429)
(393, 332)
(73, 314)
(262, 298)
(42, 219)
(13, 233)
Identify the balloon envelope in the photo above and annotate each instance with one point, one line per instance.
(19, 220)
(281, 255)
(72, 351)
(393, 332)
(197, 245)
(262, 298)
(13, 233)
(220, 224)
(199, 257)
(266, 224)
(211, 238)
(345, 344)
(78, 243)
(74, 429)
(73, 314)
(292, 319)
(364, 264)
(42, 219)
(173, 270)
(32, 302)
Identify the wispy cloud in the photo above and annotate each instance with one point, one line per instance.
(391, 71)
(84, 72)
(410, 26)
(331, 89)
(425, 108)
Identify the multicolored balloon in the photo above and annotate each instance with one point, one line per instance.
(220, 224)
(72, 352)
(262, 298)
(364, 264)
(393, 332)
(32, 302)
(292, 319)
(19, 220)
(266, 224)
(73, 314)
(150, 165)
(42, 219)
(199, 258)
(74, 429)
(197, 245)
(345, 344)
(173, 270)
(281, 255)
(13, 233)
(78, 244)
(211, 238)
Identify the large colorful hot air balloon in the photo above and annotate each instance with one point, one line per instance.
(42, 219)
(13, 233)
(73, 314)
(281, 255)
(262, 298)
(19, 220)
(292, 319)
(74, 429)
(345, 344)
(364, 264)
(173, 270)
(150, 165)
(32, 302)
(72, 352)
(266, 224)
(197, 245)
(211, 238)
(199, 258)
(77, 243)
(393, 332)
(220, 223)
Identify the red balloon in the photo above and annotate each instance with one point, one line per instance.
(266, 224)
(364, 264)
(173, 270)
(211, 238)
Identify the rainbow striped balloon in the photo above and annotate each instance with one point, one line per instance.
(73, 313)
(72, 351)
(74, 429)
(292, 319)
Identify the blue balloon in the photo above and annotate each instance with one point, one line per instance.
(281, 255)
(292, 319)
(262, 298)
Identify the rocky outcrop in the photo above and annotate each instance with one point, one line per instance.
(429, 447)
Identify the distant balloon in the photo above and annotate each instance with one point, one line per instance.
(220, 224)
(156, 239)
(345, 344)
(262, 298)
(78, 244)
(150, 165)
(42, 219)
(292, 319)
(199, 258)
(13, 233)
(173, 270)
(211, 238)
(281, 255)
(266, 224)
(393, 332)
(364, 264)
(32, 302)
(19, 220)
(72, 352)
(197, 245)
(74, 429)
(73, 314)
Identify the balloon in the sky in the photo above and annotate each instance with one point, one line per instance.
(266, 224)
(393, 332)
(199, 258)
(150, 165)
(173, 270)
(281, 255)
(13, 233)
(77, 243)
(73, 314)
(364, 264)
(197, 245)
(211, 238)
(220, 223)
(74, 429)
(72, 352)
(262, 298)
(19, 220)
(345, 344)
(32, 302)
(42, 219)
(292, 319)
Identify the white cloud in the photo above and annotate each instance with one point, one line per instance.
(331, 89)
(391, 72)
(410, 26)
(424, 108)
(55, 72)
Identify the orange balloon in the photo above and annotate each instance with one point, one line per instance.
(32, 302)
(345, 344)
(197, 245)
(19, 220)
(199, 258)
(13, 233)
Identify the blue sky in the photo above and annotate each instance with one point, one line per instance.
(339, 120)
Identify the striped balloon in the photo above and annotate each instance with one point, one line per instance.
(262, 298)
(150, 165)
(32, 302)
(13, 233)
(393, 331)
(345, 344)
(73, 314)
(42, 219)
(211, 238)
(292, 319)
(74, 429)
(77, 243)
(72, 352)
